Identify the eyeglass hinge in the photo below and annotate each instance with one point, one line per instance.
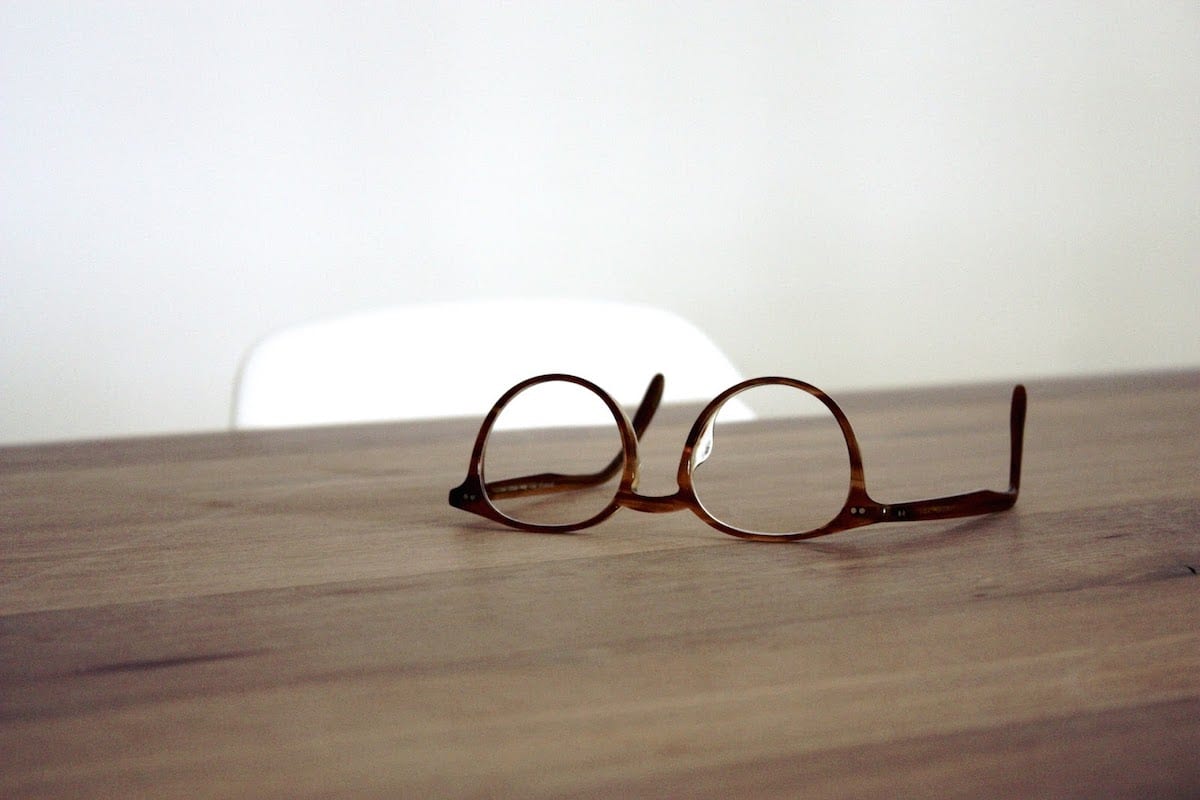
(882, 512)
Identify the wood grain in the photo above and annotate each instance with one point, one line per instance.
(300, 613)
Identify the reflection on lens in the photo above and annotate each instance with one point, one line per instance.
(554, 456)
(788, 472)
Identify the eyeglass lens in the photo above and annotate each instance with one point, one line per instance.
(786, 472)
(577, 435)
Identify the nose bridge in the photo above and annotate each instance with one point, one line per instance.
(652, 504)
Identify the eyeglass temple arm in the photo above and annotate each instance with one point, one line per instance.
(547, 482)
(971, 503)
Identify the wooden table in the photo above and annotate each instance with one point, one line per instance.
(301, 613)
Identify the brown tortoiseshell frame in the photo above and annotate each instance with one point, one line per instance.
(859, 509)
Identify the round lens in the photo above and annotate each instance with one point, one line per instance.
(786, 472)
(554, 455)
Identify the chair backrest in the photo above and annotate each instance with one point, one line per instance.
(456, 359)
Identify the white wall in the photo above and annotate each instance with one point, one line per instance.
(862, 194)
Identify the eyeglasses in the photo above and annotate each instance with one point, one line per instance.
(757, 485)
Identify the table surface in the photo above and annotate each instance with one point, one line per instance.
(300, 613)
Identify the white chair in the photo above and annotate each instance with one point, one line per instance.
(456, 359)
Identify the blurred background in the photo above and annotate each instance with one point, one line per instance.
(861, 194)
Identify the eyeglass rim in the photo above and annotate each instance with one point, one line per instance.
(475, 497)
(625, 427)
(685, 474)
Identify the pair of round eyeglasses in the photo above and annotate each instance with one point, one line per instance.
(567, 478)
